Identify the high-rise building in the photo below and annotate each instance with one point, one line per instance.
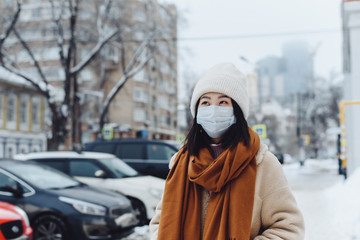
(281, 78)
(298, 67)
(271, 77)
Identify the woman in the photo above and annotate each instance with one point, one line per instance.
(223, 184)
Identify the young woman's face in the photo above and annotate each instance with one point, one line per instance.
(213, 98)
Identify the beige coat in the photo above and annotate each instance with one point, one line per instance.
(275, 212)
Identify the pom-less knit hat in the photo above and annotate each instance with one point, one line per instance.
(223, 78)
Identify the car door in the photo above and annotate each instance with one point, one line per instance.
(158, 156)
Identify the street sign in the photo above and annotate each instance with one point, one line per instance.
(180, 138)
(306, 139)
(108, 133)
(260, 129)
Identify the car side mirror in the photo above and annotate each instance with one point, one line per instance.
(15, 188)
(100, 174)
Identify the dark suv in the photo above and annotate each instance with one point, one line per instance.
(149, 157)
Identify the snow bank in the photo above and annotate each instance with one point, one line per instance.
(345, 199)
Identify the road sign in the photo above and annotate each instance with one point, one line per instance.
(180, 138)
(260, 129)
(306, 139)
(108, 133)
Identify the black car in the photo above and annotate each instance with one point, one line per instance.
(60, 207)
(149, 157)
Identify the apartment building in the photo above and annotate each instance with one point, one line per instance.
(147, 104)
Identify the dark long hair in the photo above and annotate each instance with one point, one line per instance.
(197, 138)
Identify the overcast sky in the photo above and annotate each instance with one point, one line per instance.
(223, 30)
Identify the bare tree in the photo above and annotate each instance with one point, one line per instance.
(74, 34)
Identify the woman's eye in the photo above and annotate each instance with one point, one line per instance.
(223, 102)
(204, 103)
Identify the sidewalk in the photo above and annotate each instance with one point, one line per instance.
(330, 205)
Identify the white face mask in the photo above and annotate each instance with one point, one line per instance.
(215, 120)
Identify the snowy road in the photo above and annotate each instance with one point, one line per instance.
(331, 206)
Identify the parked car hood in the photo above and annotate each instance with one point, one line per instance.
(92, 194)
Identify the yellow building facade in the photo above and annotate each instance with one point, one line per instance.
(21, 117)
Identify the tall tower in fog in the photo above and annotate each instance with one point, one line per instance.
(298, 67)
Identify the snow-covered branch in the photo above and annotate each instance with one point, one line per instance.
(41, 87)
(93, 52)
(36, 63)
(139, 51)
(123, 79)
(12, 24)
(4, 36)
(104, 14)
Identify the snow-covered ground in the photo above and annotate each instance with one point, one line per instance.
(330, 205)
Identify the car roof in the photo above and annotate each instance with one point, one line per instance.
(62, 154)
(8, 164)
(129, 140)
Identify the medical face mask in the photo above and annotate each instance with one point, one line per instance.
(215, 120)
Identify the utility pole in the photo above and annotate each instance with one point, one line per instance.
(301, 153)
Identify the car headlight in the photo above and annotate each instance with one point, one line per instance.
(156, 192)
(24, 215)
(85, 207)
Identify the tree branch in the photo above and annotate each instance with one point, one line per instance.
(93, 53)
(42, 89)
(9, 29)
(36, 63)
(119, 85)
(60, 39)
(139, 52)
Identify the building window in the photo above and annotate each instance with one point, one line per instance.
(140, 115)
(153, 102)
(23, 148)
(11, 111)
(1, 110)
(164, 121)
(24, 113)
(140, 95)
(154, 121)
(110, 53)
(164, 102)
(10, 150)
(35, 114)
(141, 76)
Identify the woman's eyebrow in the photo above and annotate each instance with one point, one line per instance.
(205, 97)
(223, 96)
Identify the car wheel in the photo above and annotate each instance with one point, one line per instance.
(49, 227)
(140, 211)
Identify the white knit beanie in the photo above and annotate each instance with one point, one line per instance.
(223, 78)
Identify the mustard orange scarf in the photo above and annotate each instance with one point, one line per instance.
(231, 180)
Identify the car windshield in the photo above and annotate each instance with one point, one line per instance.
(119, 167)
(44, 177)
